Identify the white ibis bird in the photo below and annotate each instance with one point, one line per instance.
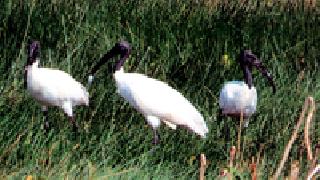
(52, 87)
(239, 96)
(156, 100)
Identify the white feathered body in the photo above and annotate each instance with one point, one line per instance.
(235, 96)
(52, 87)
(158, 101)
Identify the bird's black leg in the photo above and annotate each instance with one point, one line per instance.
(74, 124)
(219, 119)
(46, 127)
(226, 131)
(155, 141)
(255, 116)
(156, 137)
(46, 119)
(219, 115)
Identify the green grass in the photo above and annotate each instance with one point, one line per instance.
(179, 42)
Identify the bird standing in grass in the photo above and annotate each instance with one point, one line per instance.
(238, 97)
(51, 87)
(156, 100)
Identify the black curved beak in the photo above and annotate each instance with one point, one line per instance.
(269, 77)
(264, 71)
(110, 54)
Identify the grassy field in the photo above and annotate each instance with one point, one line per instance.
(192, 46)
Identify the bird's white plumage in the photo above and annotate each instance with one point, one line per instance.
(315, 171)
(53, 87)
(159, 102)
(235, 96)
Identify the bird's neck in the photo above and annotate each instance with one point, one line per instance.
(120, 70)
(29, 69)
(34, 65)
(122, 60)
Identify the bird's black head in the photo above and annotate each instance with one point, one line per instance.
(247, 58)
(123, 48)
(33, 51)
